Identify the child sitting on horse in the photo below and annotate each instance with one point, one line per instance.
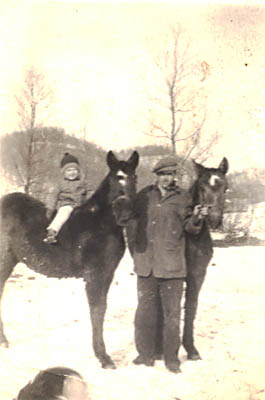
(71, 192)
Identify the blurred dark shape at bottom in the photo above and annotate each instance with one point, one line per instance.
(59, 383)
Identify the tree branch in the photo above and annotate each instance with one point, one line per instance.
(183, 92)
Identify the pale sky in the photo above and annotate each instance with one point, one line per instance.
(98, 58)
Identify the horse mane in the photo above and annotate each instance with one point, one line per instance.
(100, 194)
(98, 199)
(194, 192)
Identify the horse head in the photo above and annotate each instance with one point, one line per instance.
(209, 190)
(122, 186)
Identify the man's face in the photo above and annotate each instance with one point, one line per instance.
(165, 179)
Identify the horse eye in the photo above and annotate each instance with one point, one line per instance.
(222, 183)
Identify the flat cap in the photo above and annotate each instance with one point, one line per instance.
(168, 163)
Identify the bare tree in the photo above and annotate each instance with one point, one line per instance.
(33, 100)
(178, 112)
(83, 115)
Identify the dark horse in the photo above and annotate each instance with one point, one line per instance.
(208, 189)
(90, 244)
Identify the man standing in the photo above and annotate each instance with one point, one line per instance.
(163, 212)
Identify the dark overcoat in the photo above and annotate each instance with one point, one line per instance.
(157, 233)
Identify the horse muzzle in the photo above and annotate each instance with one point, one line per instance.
(122, 210)
(214, 219)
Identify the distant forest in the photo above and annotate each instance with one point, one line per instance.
(33, 158)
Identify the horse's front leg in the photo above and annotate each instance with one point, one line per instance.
(97, 290)
(3, 339)
(7, 264)
(194, 281)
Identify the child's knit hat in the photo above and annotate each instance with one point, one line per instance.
(69, 160)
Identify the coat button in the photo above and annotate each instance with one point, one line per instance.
(153, 222)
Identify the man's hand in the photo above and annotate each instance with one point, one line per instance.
(201, 211)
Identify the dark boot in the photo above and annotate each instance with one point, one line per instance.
(173, 367)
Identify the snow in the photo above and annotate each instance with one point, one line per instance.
(47, 322)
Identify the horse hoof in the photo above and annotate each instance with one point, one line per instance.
(174, 367)
(108, 364)
(194, 357)
(4, 344)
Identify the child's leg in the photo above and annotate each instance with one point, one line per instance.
(60, 218)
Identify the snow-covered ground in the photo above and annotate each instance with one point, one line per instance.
(47, 323)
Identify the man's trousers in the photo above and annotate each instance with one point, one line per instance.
(152, 294)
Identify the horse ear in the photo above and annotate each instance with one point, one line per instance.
(199, 168)
(112, 161)
(223, 167)
(133, 160)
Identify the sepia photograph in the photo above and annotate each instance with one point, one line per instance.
(132, 185)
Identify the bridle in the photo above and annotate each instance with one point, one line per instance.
(122, 197)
